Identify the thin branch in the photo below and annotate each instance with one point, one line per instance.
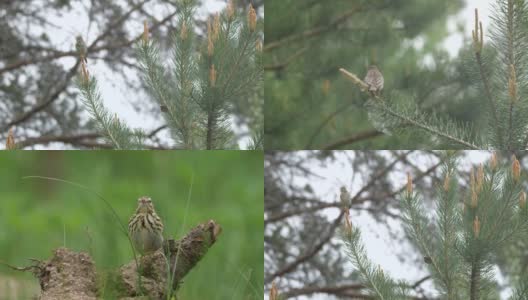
(430, 129)
(478, 43)
(40, 106)
(91, 48)
(287, 214)
(71, 73)
(326, 121)
(309, 254)
(66, 139)
(83, 140)
(356, 137)
(312, 32)
(285, 63)
(340, 290)
(489, 96)
(364, 87)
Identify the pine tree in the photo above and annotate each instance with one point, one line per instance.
(309, 105)
(196, 93)
(499, 72)
(460, 240)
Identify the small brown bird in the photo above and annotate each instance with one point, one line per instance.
(81, 48)
(375, 81)
(145, 227)
(345, 198)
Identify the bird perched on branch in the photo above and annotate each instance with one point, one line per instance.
(345, 198)
(374, 79)
(145, 227)
(81, 48)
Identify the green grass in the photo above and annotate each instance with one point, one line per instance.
(37, 215)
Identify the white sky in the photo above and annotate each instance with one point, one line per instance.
(467, 17)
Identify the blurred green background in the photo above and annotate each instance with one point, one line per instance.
(311, 105)
(37, 216)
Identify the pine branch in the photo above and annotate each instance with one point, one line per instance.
(114, 130)
(426, 127)
(415, 226)
(354, 138)
(384, 110)
(375, 279)
(312, 32)
(447, 224)
(308, 254)
(478, 41)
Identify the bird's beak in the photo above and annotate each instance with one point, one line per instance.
(142, 205)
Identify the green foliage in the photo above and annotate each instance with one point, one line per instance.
(309, 104)
(198, 92)
(382, 286)
(461, 240)
(396, 116)
(499, 73)
(114, 130)
(38, 216)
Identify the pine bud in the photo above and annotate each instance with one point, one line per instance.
(210, 41)
(472, 178)
(252, 18)
(474, 198)
(409, 184)
(516, 169)
(212, 76)
(522, 200)
(231, 9)
(493, 161)
(348, 224)
(84, 72)
(480, 178)
(183, 31)
(258, 45)
(476, 227)
(10, 142)
(274, 293)
(473, 187)
(145, 32)
(478, 35)
(446, 182)
(326, 86)
(216, 27)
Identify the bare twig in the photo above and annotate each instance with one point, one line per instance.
(312, 32)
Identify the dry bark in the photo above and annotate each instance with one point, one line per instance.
(72, 275)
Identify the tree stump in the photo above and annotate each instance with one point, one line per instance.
(72, 275)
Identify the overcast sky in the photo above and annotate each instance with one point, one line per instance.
(467, 17)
